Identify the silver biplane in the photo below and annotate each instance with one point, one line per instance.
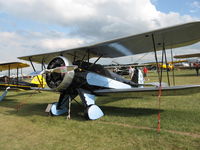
(71, 73)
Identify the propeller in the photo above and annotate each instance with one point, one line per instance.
(62, 69)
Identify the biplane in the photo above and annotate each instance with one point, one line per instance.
(71, 73)
(170, 65)
(16, 82)
(193, 64)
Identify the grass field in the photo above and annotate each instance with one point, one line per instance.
(127, 124)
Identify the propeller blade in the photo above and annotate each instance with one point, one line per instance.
(36, 73)
(63, 69)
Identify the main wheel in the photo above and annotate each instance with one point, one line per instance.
(56, 112)
(93, 112)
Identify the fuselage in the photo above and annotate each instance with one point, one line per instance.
(87, 76)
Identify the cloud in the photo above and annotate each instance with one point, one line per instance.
(196, 4)
(92, 18)
(54, 44)
(26, 43)
(8, 42)
(195, 7)
(80, 22)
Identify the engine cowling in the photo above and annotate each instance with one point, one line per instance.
(59, 81)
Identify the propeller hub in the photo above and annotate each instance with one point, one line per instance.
(59, 81)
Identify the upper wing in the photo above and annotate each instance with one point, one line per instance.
(12, 65)
(173, 37)
(187, 55)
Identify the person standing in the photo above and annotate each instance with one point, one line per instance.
(140, 78)
(197, 66)
(145, 71)
(131, 72)
(137, 77)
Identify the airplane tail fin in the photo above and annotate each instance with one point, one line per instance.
(4, 94)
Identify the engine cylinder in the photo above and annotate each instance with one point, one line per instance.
(59, 81)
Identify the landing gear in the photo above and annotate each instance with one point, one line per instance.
(93, 112)
(69, 108)
(55, 111)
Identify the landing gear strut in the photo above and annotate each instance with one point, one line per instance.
(92, 111)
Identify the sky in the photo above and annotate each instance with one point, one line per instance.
(38, 26)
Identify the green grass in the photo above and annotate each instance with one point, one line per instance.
(127, 124)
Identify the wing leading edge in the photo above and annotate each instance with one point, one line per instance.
(149, 91)
(173, 37)
(12, 65)
(187, 55)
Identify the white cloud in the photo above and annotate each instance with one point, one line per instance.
(9, 42)
(196, 4)
(94, 17)
(195, 7)
(56, 44)
(91, 20)
(15, 44)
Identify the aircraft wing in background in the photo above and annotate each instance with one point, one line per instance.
(187, 55)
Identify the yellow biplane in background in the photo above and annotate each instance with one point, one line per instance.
(170, 65)
(18, 81)
(192, 63)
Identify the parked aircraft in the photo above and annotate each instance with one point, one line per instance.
(193, 63)
(170, 65)
(71, 73)
(16, 82)
(123, 69)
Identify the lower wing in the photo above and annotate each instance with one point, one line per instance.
(149, 91)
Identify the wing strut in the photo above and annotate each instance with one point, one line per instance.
(166, 63)
(43, 64)
(156, 58)
(173, 68)
(34, 70)
(82, 59)
(88, 55)
(9, 74)
(17, 75)
(43, 67)
(95, 62)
